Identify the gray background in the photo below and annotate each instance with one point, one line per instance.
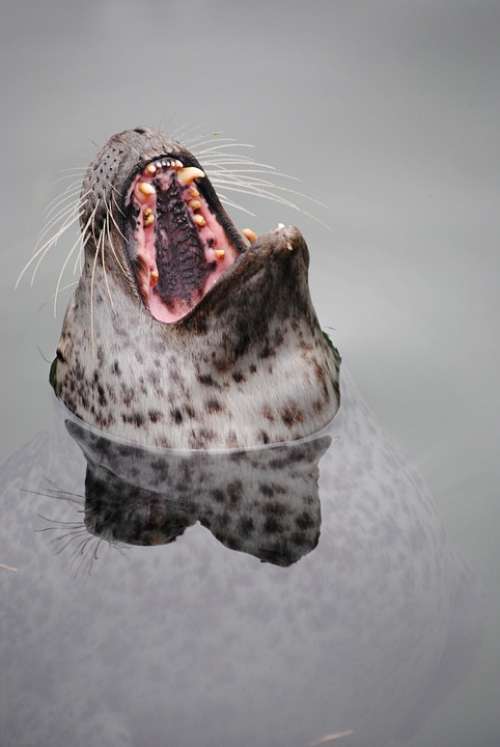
(388, 111)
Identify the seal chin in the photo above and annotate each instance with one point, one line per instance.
(179, 241)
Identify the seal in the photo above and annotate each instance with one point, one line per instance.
(184, 332)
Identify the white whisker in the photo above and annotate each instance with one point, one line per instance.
(254, 182)
(214, 148)
(71, 188)
(63, 288)
(226, 201)
(68, 257)
(266, 195)
(46, 246)
(197, 144)
(92, 280)
(62, 215)
(103, 260)
(264, 172)
(73, 195)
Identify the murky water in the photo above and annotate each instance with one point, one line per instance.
(380, 625)
(275, 596)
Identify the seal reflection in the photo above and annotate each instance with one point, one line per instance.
(263, 502)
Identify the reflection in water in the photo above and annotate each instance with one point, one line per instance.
(263, 502)
(357, 624)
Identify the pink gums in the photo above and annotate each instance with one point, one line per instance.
(212, 236)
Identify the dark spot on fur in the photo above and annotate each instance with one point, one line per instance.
(155, 416)
(292, 415)
(207, 380)
(267, 413)
(234, 492)
(218, 495)
(238, 377)
(271, 525)
(246, 526)
(177, 416)
(213, 405)
(304, 521)
(115, 368)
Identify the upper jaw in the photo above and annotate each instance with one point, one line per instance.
(178, 238)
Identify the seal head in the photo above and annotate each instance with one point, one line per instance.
(183, 333)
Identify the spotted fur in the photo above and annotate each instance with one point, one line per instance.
(250, 365)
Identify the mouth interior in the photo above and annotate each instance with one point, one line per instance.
(180, 248)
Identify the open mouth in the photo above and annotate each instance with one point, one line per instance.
(179, 238)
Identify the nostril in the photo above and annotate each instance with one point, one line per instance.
(139, 130)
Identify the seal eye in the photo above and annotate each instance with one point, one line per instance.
(176, 242)
(140, 130)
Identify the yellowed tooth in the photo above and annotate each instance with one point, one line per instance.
(193, 192)
(199, 220)
(153, 278)
(150, 169)
(195, 204)
(189, 174)
(219, 253)
(178, 164)
(147, 211)
(249, 234)
(146, 188)
(149, 219)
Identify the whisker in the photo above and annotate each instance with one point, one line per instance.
(51, 299)
(214, 148)
(251, 181)
(103, 261)
(237, 162)
(266, 195)
(197, 144)
(46, 246)
(235, 205)
(92, 280)
(62, 215)
(257, 171)
(60, 277)
(73, 195)
(110, 213)
(71, 189)
(83, 238)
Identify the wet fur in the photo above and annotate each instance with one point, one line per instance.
(250, 365)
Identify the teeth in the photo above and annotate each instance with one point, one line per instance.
(199, 220)
(193, 192)
(195, 204)
(189, 174)
(280, 226)
(153, 278)
(150, 169)
(149, 219)
(219, 253)
(147, 211)
(178, 164)
(249, 234)
(146, 188)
